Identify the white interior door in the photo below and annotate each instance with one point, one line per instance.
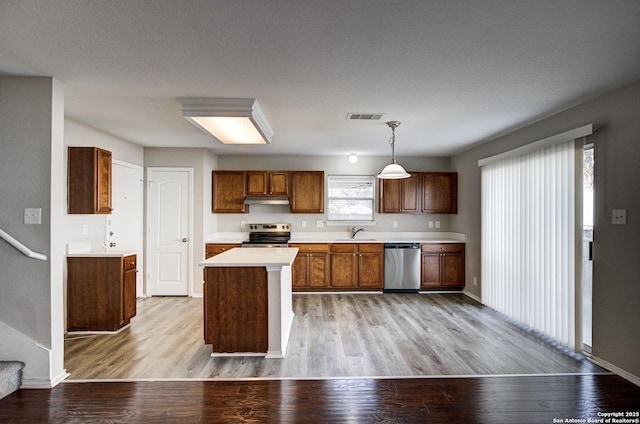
(124, 224)
(169, 231)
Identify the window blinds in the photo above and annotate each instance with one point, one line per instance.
(529, 239)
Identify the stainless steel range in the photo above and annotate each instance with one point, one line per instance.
(268, 235)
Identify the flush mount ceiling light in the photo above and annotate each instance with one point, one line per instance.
(393, 170)
(232, 121)
(353, 158)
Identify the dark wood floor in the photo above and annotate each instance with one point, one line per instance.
(504, 399)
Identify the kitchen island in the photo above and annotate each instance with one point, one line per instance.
(248, 306)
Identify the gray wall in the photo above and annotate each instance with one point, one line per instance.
(331, 165)
(616, 285)
(31, 155)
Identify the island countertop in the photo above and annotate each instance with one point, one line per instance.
(250, 257)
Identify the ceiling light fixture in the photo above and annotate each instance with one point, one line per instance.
(232, 121)
(393, 170)
(353, 158)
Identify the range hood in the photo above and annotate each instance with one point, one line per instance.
(266, 200)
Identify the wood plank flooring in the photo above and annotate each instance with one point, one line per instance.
(333, 335)
(486, 400)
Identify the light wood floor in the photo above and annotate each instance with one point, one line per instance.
(333, 335)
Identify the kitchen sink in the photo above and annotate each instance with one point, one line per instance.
(355, 239)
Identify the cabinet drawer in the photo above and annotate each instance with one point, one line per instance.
(129, 263)
(370, 247)
(212, 249)
(310, 247)
(343, 248)
(443, 248)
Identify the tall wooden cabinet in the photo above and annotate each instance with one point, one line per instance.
(88, 180)
(307, 192)
(101, 292)
(442, 266)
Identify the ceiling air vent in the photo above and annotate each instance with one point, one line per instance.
(364, 116)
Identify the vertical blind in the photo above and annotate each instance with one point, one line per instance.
(529, 239)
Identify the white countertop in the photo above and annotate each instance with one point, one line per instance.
(258, 256)
(343, 237)
(99, 254)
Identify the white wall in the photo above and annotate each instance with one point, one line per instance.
(331, 165)
(31, 141)
(616, 291)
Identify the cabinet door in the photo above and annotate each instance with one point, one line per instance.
(430, 269)
(343, 269)
(103, 181)
(452, 269)
(318, 270)
(299, 271)
(440, 192)
(307, 192)
(402, 195)
(129, 292)
(229, 189)
(370, 270)
(257, 183)
(278, 183)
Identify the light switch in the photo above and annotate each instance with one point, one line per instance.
(32, 215)
(437, 224)
(395, 224)
(303, 224)
(430, 224)
(619, 216)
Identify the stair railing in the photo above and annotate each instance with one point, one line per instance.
(21, 247)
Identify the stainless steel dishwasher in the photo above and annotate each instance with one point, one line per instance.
(401, 267)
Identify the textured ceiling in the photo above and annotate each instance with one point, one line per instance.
(454, 72)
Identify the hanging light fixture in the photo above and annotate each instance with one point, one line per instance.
(393, 170)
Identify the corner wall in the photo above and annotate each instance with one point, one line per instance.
(616, 290)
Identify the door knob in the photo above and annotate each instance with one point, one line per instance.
(184, 240)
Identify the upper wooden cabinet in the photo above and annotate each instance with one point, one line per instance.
(269, 183)
(306, 191)
(423, 192)
(439, 192)
(401, 195)
(229, 191)
(89, 180)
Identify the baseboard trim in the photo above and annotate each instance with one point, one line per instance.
(472, 296)
(42, 383)
(619, 371)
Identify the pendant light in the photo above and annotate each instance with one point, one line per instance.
(393, 170)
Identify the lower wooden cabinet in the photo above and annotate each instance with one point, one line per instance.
(357, 266)
(310, 270)
(442, 266)
(101, 292)
(212, 249)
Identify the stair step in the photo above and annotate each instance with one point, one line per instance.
(10, 377)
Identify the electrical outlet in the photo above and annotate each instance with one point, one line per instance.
(395, 224)
(619, 216)
(437, 224)
(319, 224)
(430, 224)
(85, 229)
(32, 216)
(243, 224)
(303, 224)
(475, 281)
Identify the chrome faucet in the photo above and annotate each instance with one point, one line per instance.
(355, 231)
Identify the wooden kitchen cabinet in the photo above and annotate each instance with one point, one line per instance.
(229, 191)
(88, 180)
(442, 266)
(306, 191)
(310, 270)
(212, 249)
(267, 183)
(101, 292)
(357, 266)
(439, 192)
(401, 195)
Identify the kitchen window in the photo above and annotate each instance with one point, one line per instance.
(350, 197)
